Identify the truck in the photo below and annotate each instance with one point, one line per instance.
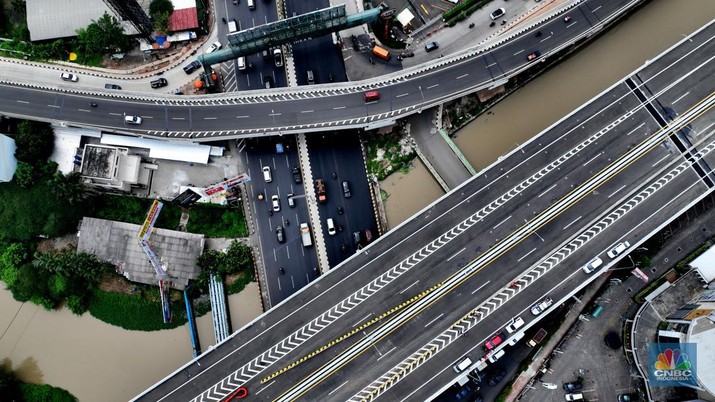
(381, 53)
(232, 27)
(305, 235)
(320, 191)
(537, 338)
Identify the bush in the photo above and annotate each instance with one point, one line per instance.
(215, 221)
(133, 210)
(42, 393)
(34, 141)
(134, 312)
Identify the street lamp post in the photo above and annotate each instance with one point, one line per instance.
(423, 99)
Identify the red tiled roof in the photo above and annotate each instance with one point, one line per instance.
(183, 19)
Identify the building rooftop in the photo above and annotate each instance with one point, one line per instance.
(99, 162)
(118, 243)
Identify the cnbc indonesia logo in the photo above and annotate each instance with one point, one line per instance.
(673, 365)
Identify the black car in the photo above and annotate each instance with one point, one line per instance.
(280, 234)
(161, 82)
(496, 377)
(573, 386)
(112, 86)
(191, 67)
(296, 175)
(431, 46)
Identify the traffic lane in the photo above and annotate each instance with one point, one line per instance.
(304, 57)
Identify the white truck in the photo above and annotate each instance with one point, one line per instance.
(305, 235)
(232, 27)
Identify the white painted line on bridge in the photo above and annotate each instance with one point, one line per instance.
(681, 97)
(572, 222)
(546, 38)
(634, 130)
(705, 130)
(432, 86)
(435, 319)
(386, 353)
(339, 386)
(477, 289)
(242, 117)
(292, 281)
(361, 320)
(84, 110)
(279, 283)
(614, 193)
(526, 255)
(661, 159)
(401, 95)
(261, 390)
(457, 253)
(405, 289)
(339, 107)
(21, 101)
(491, 65)
(307, 111)
(462, 76)
(596, 9)
(116, 114)
(547, 190)
(210, 118)
(520, 51)
(55, 106)
(504, 220)
(275, 114)
(178, 118)
(592, 159)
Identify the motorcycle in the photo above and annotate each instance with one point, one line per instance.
(223, 19)
(281, 270)
(340, 210)
(335, 175)
(93, 104)
(287, 222)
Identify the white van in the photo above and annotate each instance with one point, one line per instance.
(242, 63)
(331, 226)
(267, 174)
(251, 5)
(573, 397)
(232, 26)
(494, 357)
(463, 365)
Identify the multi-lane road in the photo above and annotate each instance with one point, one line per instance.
(43, 96)
(392, 320)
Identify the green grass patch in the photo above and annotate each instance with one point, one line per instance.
(215, 221)
(133, 210)
(140, 312)
(43, 393)
(682, 264)
(640, 297)
(237, 284)
(463, 10)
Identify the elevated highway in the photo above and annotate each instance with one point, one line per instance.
(305, 109)
(392, 320)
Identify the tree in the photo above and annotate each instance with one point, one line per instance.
(68, 187)
(110, 33)
(34, 141)
(160, 7)
(161, 23)
(24, 175)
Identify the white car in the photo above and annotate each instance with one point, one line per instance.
(515, 324)
(136, 120)
(331, 226)
(267, 174)
(214, 47)
(497, 13)
(69, 77)
(542, 305)
(276, 203)
(592, 265)
(620, 247)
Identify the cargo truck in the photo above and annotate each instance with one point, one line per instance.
(320, 191)
(305, 235)
(381, 53)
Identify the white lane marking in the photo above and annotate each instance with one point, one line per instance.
(339, 107)
(405, 289)
(491, 65)
(385, 354)
(547, 190)
(661, 159)
(681, 97)
(477, 289)
(520, 51)
(634, 130)
(571, 24)
(361, 320)
(20, 101)
(596, 9)
(178, 118)
(307, 111)
(275, 114)
(279, 283)
(526, 255)
(115, 114)
(705, 130)
(210, 118)
(462, 76)
(401, 95)
(435, 319)
(432, 86)
(592, 159)
(292, 281)
(572, 222)
(339, 386)
(614, 193)
(242, 117)
(55, 106)
(546, 38)
(503, 220)
(261, 390)
(457, 253)
(84, 110)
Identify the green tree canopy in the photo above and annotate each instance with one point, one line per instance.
(157, 7)
(34, 141)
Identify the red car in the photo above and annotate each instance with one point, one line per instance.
(494, 341)
(534, 55)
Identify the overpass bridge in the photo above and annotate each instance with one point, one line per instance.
(326, 107)
(392, 320)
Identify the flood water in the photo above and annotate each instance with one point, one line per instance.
(96, 361)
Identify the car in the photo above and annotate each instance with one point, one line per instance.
(136, 120)
(266, 54)
(573, 386)
(498, 13)
(276, 203)
(356, 238)
(297, 178)
(368, 236)
(280, 234)
(158, 83)
(573, 397)
(291, 201)
(567, 18)
(494, 341)
(331, 226)
(372, 96)
(191, 67)
(214, 47)
(592, 265)
(618, 249)
(533, 55)
(346, 189)
(496, 377)
(279, 148)
(542, 305)
(431, 46)
(69, 77)
(278, 57)
(627, 398)
(112, 86)
(515, 324)
(464, 393)
(463, 365)
(267, 177)
(515, 339)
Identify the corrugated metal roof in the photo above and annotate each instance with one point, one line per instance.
(184, 19)
(51, 19)
(8, 163)
(162, 149)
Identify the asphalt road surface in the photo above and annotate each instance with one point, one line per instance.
(393, 319)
